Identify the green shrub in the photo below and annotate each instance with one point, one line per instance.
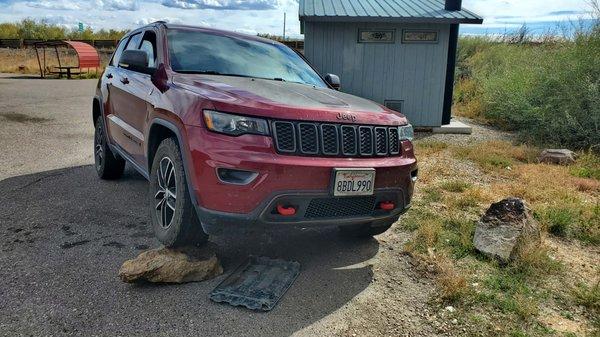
(573, 220)
(587, 166)
(559, 220)
(588, 296)
(32, 29)
(548, 92)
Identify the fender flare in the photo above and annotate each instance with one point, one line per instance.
(182, 149)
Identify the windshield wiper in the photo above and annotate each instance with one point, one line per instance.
(213, 72)
(210, 72)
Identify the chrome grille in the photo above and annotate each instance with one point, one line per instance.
(338, 140)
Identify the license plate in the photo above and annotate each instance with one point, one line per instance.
(353, 182)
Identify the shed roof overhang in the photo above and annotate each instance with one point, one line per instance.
(399, 11)
(390, 19)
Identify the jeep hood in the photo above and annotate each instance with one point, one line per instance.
(288, 99)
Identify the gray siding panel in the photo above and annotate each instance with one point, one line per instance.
(413, 73)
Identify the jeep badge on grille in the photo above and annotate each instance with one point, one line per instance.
(346, 117)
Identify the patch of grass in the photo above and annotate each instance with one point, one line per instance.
(426, 235)
(512, 289)
(459, 235)
(533, 261)
(493, 155)
(587, 166)
(416, 216)
(588, 296)
(559, 220)
(464, 201)
(452, 284)
(429, 147)
(432, 194)
(509, 294)
(574, 220)
(457, 186)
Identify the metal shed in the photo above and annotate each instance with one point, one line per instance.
(400, 53)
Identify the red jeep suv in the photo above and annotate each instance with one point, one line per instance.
(239, 130)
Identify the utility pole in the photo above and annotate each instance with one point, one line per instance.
(284, 16)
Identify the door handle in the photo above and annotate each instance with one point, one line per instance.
(109, 75)
(125, 80)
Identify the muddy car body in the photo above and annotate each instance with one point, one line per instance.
(247, 134)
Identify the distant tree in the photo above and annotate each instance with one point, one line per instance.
(43, 30)
(9, 31)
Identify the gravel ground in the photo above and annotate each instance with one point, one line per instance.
(64, 233)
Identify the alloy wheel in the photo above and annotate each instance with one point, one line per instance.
(99, 147)
(166, 194)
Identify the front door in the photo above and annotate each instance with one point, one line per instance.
(131, 91)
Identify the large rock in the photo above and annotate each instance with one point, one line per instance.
(179, 265)
(506, 230)
(557, 156)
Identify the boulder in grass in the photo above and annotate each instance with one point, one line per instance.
(506, 229)
(172, 265)
(557, 156)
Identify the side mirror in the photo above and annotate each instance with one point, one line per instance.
(135, 60)
(160, 78)
(333, 81)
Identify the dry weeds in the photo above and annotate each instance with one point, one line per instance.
(456, 185)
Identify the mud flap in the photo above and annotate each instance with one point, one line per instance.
(258, 283)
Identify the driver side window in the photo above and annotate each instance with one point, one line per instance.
(149, 46)
(117, 55)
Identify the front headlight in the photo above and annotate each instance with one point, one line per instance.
(406, 132)
(235, 125)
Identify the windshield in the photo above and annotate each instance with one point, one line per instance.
(202, 52)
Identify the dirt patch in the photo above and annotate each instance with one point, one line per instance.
(562, 324)
(23, 118)
(582, 261)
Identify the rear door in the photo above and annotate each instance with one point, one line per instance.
(114, 132)
(130, 98)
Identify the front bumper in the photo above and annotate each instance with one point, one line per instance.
(284, 179)
(313, 209)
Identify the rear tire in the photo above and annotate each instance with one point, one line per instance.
(367, 230)
(108, 165)
(174, 220)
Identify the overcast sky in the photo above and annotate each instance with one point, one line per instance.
(265, 16)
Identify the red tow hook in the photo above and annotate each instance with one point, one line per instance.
(387, 205)
(287, 211)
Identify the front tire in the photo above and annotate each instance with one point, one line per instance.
(173, 216)
(107, 164)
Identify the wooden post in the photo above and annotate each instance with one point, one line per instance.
(57, 56)
(38, 58)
